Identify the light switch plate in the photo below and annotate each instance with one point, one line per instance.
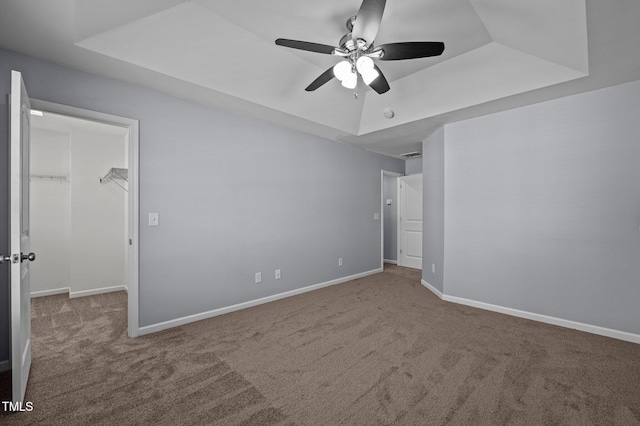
(154, 219)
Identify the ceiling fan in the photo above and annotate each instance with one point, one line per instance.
(358, 50)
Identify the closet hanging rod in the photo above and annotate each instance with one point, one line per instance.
(50, 177)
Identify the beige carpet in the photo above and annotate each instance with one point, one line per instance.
(378, 350)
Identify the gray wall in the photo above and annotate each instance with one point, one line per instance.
(413, 166)
(390, 192)
(542, 208)
(235, 196)
(433, 209)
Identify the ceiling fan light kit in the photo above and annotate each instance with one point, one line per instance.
(358, 51)
(365, 67)
(344, 72)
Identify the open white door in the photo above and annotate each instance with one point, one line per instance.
(410, 221)
(19, 235)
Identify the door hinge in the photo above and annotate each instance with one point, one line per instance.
(130, 242)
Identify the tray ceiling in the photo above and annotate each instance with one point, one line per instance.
(222, 53)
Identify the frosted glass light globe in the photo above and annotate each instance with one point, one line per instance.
(342, 70)
(350, 81)
(365, 67)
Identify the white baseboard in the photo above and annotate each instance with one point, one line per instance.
(4, 366)
(63, 290)
(594, 329)
(220, 311)
(393, 262)
(83, 293)
(433, 289)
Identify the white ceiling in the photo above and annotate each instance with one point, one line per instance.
(222, 53)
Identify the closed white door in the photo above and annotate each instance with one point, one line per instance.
(20, 238)
(410, 221)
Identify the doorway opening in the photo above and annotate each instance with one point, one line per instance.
(84, 183)
(410, 221)
(389, 219)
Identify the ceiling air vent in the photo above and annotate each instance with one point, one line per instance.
(413, 154)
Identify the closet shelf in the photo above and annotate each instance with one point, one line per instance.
(50, 177)
(116, 174)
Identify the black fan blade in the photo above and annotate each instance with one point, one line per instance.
(368, 21)
(410, 50)
(324, 78)
(305, 45)
(380, 84)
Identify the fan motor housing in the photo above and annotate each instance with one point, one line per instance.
(346, 43)
(350, 22)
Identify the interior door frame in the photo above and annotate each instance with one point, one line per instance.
(133, 327)
(384, 173)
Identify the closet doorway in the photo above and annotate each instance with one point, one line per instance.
(84, 204)
(389, 219)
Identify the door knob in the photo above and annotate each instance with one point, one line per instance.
(4, 258)
(30, 257)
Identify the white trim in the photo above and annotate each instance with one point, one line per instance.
(133, 225)
(53, 292)
(4, 366)
(398, 201)
(594, 329)
(225, 310)
(432, 289)
(393, 262)
(83, 293)
(134, 198)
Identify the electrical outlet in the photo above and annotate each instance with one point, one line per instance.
(376, 216)
(433, 268)
(340, 261)
(258, 277)
(278, 275)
